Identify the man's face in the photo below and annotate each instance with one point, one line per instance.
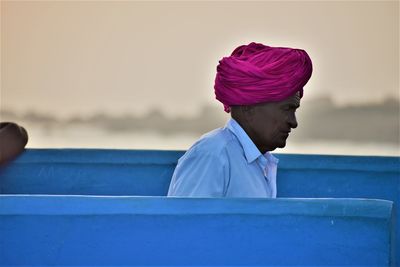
(270, 123)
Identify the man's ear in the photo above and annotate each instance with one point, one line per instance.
(245, 109)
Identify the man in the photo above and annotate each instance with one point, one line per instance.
(261, 86)
(13, 139)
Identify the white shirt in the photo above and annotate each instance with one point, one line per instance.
(225, 163)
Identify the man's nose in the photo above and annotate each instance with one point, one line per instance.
(292, 121)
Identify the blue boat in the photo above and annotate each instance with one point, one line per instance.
(77, 207)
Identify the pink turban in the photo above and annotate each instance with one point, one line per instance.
(257, 73)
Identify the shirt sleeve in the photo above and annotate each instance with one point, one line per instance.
(199, 175)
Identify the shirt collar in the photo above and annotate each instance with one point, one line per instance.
(251, 152)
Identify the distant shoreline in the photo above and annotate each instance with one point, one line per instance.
(318, 120)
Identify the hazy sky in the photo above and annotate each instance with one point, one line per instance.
(69, 58)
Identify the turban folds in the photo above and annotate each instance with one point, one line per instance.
(256, 73)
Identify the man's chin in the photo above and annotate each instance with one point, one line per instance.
(276, 146)
(282, 144)
(279, 144)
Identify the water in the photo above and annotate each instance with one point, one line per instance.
(91, 137)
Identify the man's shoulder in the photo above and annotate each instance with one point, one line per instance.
(214, 142)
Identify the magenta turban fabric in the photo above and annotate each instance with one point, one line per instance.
(256, 73)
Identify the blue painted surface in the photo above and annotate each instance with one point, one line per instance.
(112, 231)
(89, 172)
(140, 172)
(129, 172)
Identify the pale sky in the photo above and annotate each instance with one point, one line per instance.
(68, 58)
